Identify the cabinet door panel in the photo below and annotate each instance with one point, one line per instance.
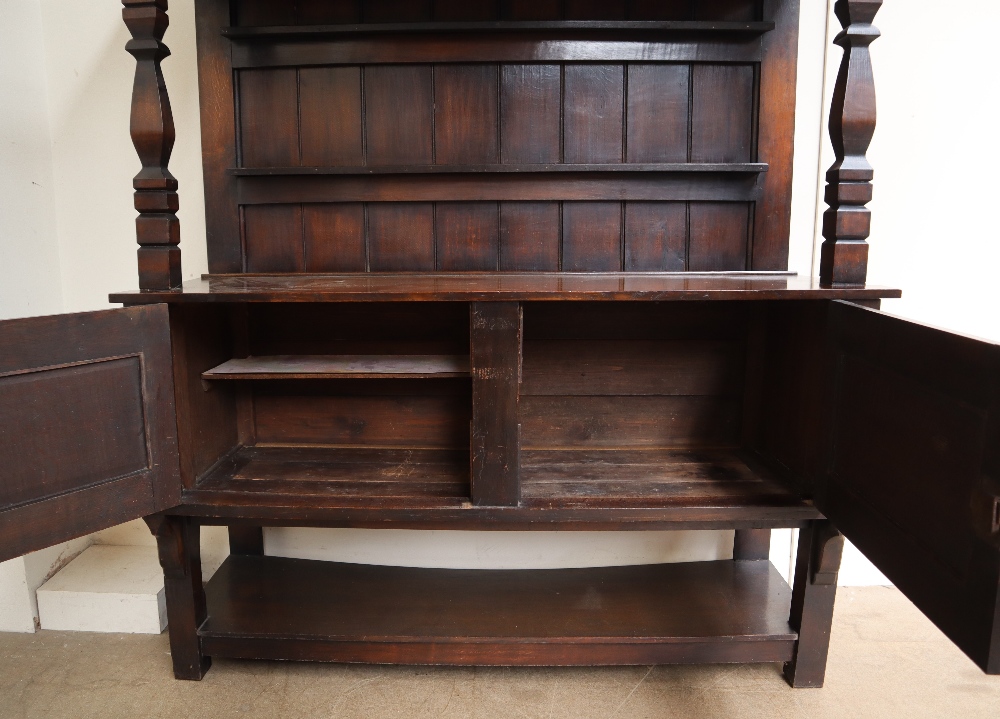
(88, 432)
(912, 470)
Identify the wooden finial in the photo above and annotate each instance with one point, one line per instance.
(152, 128)
(847, 224)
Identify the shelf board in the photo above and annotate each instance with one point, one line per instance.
(748, 168)
(341, 367)
(297, 609)
(555, 26)
(503, 286)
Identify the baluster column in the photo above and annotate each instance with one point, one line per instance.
(152, 129)
(847, 223)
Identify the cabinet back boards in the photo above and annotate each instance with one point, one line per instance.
(496, 264)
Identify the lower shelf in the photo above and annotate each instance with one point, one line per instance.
(702, 612)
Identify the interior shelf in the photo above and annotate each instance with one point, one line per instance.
(725, 611)
(619, 167)
(341, 367)
(678, 26)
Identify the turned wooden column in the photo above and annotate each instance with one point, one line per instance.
(157, 228)
(847, 224)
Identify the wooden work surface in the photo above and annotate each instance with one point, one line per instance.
(479, 287)
(302, 609)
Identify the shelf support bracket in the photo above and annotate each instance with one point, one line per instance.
(847, 222)
(152, 128)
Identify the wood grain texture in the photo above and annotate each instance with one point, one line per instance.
(401, 237)
(658, 113)
(656, 236)
(393, 92)
(334, 237)
(269, 117)
(330, 112)
(530, 235)
(273, 238)
(530, 113)
(592, 237)
(722, 106)
(718, 236)
(466, 114)
(468, 236)
(340, 366)
(593, 98)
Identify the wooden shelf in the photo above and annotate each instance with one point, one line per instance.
(724, 611)
(503, 286)
(317, 31)
(749, 168)
(341, 367)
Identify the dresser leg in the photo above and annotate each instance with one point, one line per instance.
(752, 544)
(246, 541)
(178, 540)
(813, 594)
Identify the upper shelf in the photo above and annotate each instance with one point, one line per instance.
(314, 31)
(341, 367)
(502, 286)
(749, 168)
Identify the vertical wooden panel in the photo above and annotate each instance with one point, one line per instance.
(594, 97)
(330, 111)
(465, 124)
(594, 10)
(497, 331)
(273, 237)
(718, 236)
(660, 10)
(481, 10)
(529, 236)
(269, 118)
(327, 12)
(530, 113)
(399, 105)
(467, 236)
(401, 236)
(264, 12)
(397, 10)
(658, 113)
(727, 10)
(334, 237)
(592, 237)
(722, 113)
(533, 9)
(655, 236)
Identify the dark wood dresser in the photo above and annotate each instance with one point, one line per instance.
(508, 265)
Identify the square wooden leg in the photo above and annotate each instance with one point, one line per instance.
(178, 540)
(813, 593)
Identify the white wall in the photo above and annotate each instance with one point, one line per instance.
(66, 222)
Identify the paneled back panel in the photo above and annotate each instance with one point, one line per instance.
(385, 136)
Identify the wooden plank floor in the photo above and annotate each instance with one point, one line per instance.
(725, 611)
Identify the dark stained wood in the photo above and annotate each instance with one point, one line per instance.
(458, 287)
(461, 10)
(718, 238)
(300, 609)
(496, 334)
(273, 238)
(178, 541)
(910, 466)
(465, 114)
(658, 117)
(507, 168)
(334, 237)
(327, 12)
(468, 236)
(397, 10)
(264, 12)
(269, 118)
(152, 128)
(401, 237)
(593, 99)
(529, 236)
(329, 105)
(592, 237)
(847, 224)
(752, 544)
(722, 107)
(530, 113)
(246, 541)
(394, 92)
(656, 236)
(89, 399)
(341, 366)
(814, 591)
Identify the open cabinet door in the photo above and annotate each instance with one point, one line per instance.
(912, 468)
(88, 435)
